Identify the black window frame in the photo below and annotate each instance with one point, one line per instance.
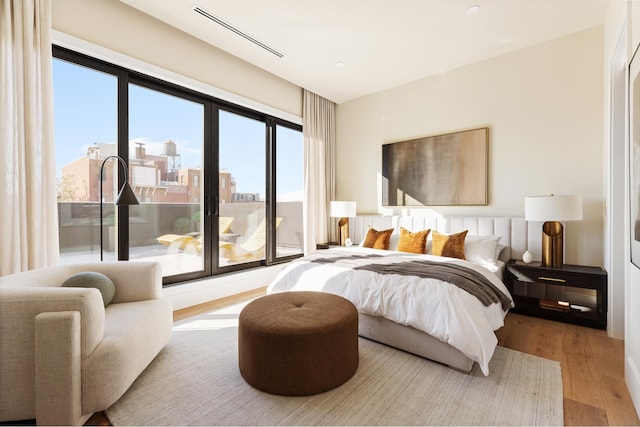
(211, 165)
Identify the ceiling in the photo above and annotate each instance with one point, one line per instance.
(344, 49)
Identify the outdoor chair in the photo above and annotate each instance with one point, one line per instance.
(194, 240)
(251, 248)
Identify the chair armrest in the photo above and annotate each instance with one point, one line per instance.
(58, 366)
(134, 281)
(20, 306)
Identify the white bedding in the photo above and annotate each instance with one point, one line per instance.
(438, 308)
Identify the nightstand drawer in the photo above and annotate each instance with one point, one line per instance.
(566, 278)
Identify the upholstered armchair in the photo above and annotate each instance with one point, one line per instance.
(63, 354)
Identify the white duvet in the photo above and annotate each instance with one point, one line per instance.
(438, 308)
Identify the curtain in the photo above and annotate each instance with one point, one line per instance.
(28, 216)
(319, 130)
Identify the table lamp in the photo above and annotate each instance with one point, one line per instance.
(344, 211)
(552, 210)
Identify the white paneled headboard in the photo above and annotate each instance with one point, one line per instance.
(517, 234)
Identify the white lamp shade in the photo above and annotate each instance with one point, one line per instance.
(553, 208)
(340, 209)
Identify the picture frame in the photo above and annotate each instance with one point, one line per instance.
(440, 170)
(634, 157)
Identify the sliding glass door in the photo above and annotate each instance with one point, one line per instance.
(260, 190)
(241, 159)
(166, 164)
(289, 189)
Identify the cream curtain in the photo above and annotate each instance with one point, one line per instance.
(319, 129)
(28, 215)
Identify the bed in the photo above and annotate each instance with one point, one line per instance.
(430, 317)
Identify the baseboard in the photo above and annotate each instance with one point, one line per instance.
(632, 378)
(201, 291)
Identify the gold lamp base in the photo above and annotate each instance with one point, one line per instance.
(343, 231)
(552, 250)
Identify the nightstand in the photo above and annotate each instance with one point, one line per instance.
(328, 245)
(572, 293)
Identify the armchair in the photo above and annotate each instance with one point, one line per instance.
(63, 355)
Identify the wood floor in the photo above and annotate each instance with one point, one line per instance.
(592, 364)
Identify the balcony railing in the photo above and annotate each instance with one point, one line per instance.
(79, 228)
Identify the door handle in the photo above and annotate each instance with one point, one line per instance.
(211, 205)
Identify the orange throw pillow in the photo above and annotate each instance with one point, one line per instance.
(377, 239)
(415, 243)
(451, 245)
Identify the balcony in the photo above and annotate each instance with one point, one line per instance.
(79, 228)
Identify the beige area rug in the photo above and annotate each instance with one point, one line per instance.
(195, 381)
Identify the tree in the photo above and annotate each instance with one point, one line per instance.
(67, 189)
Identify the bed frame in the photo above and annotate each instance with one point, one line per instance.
(409, 339)
(517, 234)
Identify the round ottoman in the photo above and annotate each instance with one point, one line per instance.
(298, 343)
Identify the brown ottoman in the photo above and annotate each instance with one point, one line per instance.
(298, 343)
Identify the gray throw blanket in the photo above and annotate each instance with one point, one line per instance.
(465, 278)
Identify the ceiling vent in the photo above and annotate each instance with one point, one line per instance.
(230, 27)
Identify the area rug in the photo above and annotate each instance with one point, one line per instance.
(195, 381)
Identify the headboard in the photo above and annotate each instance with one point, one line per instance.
(517, 234)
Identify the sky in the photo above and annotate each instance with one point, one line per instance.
(85, 109)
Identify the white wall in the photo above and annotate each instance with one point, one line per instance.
(544, 109)
(121, 28)
(615, 118)
(616, 18)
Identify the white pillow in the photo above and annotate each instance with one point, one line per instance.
(394, 240)
(482, 249)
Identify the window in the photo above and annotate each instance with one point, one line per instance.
(86, 130)
(212, 198)
(289, 191)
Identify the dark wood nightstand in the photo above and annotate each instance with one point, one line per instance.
(329, 245)
(572, 293)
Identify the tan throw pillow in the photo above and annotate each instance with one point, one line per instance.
(377, 239)
(415, 243)
(451, 245)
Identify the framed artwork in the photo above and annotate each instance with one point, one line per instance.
(442, 170)
(634, 157)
